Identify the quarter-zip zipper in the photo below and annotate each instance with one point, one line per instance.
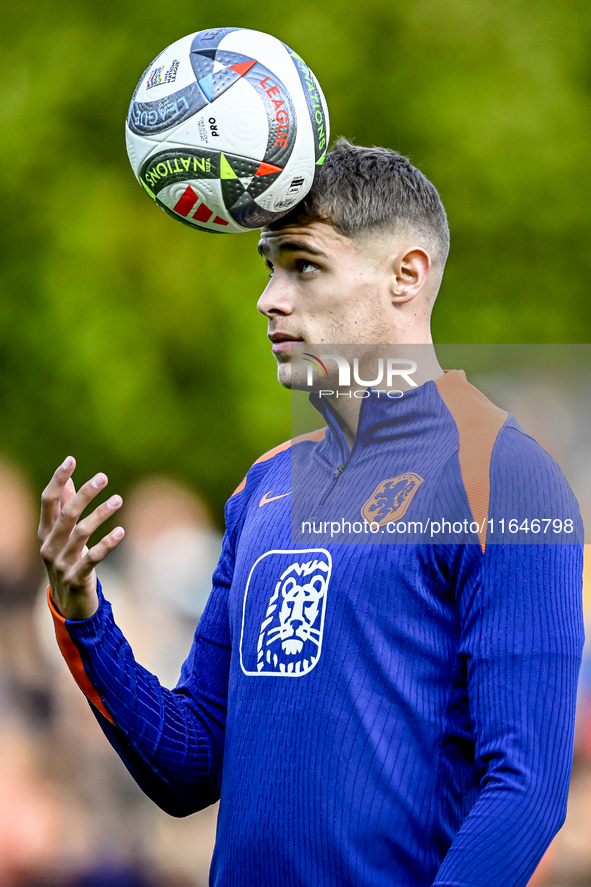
(338, 471)
(335, 476)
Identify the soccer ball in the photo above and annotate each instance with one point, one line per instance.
(226, 129)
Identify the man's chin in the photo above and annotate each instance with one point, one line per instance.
(284, 374)
(294, 380)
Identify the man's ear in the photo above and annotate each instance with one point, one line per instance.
(409, 272)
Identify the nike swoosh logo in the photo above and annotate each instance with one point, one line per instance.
(266, 498)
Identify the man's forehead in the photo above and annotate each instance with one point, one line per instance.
(314, 237)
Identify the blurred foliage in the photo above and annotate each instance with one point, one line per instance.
(134, 343)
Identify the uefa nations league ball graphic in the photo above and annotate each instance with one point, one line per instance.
(226, 129)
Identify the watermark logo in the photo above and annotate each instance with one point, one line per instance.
(387, 370)
(315, 362)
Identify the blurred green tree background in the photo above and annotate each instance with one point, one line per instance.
(134, 342)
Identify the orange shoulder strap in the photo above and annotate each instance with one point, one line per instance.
(479, 422)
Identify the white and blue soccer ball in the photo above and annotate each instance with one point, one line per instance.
(226, 129)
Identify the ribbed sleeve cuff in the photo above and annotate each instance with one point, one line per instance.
(67, 631)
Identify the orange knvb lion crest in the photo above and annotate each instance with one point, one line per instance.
(391, 498)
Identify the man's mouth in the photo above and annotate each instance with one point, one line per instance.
(282, 342)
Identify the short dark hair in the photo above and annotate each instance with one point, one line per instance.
(361, 189)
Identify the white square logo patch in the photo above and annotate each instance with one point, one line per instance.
(283, 612)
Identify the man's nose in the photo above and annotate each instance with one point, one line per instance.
(275, 298)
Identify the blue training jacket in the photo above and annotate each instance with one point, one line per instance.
(382, 686)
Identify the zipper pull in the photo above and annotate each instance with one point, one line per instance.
(338, 470)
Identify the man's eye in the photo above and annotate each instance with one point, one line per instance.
(306, 267)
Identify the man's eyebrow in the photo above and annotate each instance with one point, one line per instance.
(292, 246)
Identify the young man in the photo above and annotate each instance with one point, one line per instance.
(383, 711)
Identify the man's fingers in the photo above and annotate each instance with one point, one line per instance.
(95, 555)
(69, 491)
(70, 564)
(76, 544)
(73, 508)
(52, 495)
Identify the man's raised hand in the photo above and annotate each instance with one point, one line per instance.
(69, 562)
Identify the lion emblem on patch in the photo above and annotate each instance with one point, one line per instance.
(285, 638)
(391, 498)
